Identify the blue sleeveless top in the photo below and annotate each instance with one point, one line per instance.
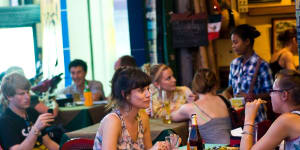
(293, 144)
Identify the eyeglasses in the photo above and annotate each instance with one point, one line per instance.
(273, 91)
(282, 90)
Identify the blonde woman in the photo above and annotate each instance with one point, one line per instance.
(163, 80)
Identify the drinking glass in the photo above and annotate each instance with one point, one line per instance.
(76, 97)
(174, 141)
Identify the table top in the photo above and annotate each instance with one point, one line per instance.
(77, 117)
(156, 127)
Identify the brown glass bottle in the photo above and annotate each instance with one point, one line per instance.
(194, 140)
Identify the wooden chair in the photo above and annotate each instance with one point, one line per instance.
(78, 144)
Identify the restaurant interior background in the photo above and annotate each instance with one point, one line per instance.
(100, 31)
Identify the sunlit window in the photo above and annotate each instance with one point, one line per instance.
(17, 49)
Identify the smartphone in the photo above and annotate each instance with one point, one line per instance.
(50, 110)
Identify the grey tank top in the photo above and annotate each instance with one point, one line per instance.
(216, 130)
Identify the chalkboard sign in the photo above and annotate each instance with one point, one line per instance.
(189, 30)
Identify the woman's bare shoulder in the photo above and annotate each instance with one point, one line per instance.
(110, 119)
(288, 120)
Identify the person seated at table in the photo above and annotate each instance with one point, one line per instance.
(214, 123)
(126, 127)
(78, 70)
(286, 101)
(283, 59)
(125, 60)
(163, 80)
(21, 127)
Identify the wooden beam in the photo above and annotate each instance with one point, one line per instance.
(274, 10)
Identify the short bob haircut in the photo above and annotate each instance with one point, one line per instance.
(204, 81)
(78, 63)
(289, 80)
(124, 80)
(13, 81)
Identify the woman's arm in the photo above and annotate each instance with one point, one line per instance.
(50, 144)
(288, 61)
(181, 114)
(270, 140)
(111, 127)
(146, 125)
(276, 133)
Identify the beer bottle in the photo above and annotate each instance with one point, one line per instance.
(87, 94)
(194, 139)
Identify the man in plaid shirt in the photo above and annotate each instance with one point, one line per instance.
(242, 69)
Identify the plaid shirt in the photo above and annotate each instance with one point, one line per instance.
(240, 78)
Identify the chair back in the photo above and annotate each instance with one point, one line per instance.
(262, 128)
(78, 144)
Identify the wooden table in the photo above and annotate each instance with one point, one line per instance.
(156, 127)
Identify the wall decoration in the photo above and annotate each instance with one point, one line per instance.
(279, 25)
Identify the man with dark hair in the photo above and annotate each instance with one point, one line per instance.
(21, 127)
(125, 61)
(78, 70)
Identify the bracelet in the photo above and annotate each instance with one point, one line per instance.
(246, 132)
(249, 125)
(35, 131)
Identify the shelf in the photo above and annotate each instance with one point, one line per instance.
(274, 10)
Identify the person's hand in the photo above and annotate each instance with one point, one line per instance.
(191, 98)
(43, 121)
(251, 110)
(161, 145)
(174, 141)
(148, 111)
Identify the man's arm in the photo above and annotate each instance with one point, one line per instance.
(29, 141)
(228, 92)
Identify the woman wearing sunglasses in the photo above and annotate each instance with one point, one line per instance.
(286, 101)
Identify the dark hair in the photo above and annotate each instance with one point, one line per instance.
(286, 36)
(290, 80)
(156, 71)
(127, 61)
(204, 81)
(124, 80)
(78, 62)
(245, 32)
(12, 82)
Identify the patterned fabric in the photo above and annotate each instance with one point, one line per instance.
(240, 75)
(125, 142)
(295, 143)
(240, 78)
(95, 86)
(179, 98)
